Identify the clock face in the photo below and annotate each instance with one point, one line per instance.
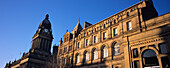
(46, 30)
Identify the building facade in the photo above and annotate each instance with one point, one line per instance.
(133, 38)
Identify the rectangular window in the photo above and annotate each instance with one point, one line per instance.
(162, 48)
(115, 32)
(136, 64)
(165, 62)
(110, 21)
(135, 53)
(114, 21)
(78, 46)
(104, 36)
(129, 26)
(127, 14)
(87, 42)
(95, 39)
(104, 26)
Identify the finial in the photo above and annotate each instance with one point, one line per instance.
(47, 16)
(79, 20)
(67, 30)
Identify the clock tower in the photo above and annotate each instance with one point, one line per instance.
(43, 37)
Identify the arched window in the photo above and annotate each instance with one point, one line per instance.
(117, 67)
(149, 58)
(95, 54)
(116, 49)
(87, 56)
(78, 58)
(105, 52)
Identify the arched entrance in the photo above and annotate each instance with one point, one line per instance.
(149, 59)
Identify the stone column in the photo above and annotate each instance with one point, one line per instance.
(90, 56)
(159, 61)
(109, 53)
(99, 37)
(91, 40)
(99, 54)
(109, 36)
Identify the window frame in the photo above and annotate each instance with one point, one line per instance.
(78, 45)
(115, 33)
(129, 25)
(135, 53)
(87, 42)
(105, 52)
(78, 58)
(116, 49)
(87, 56)
(104, 35)
(95, 39)
(95, 54)
(164, 50)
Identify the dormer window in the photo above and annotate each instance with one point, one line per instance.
(67, 38)
(110, 22)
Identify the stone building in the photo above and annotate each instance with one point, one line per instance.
(39, 56)
(135, 37)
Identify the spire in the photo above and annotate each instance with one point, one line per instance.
(77, 27)
(46, 17)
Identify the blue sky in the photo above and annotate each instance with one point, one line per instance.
(20, 19)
